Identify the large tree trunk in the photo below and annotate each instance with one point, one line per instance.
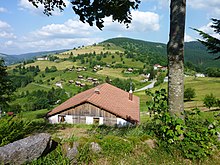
(175, 51)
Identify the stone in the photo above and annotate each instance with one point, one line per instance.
(72, 152)
(151, 143)
(27, 149)
(95, 147)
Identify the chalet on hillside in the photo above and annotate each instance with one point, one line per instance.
(199, 75)
(104, 104)
(159, 67)
(42, 58)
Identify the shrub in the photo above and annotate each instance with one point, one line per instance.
(189, 93)
(167, 128)
(195, 137)
(12, 129)
(199, 137)
(209, 100)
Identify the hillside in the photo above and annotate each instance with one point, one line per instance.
(9, 59)
(43, 84)
(12, 59)
(195, 52)
(144, 51)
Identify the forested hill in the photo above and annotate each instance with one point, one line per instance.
(8, 59)
(195, 52)
(11, 59)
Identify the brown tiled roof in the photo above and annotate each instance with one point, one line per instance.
(107, 97)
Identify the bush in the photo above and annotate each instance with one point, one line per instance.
(200, 138)
(196, 137)
(209, 101)
(12, 129)
(189, 93)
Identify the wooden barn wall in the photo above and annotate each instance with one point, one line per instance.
(80, 112)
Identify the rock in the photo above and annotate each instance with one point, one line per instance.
(95, 147)
(72, 152)
(27, 149)
(151, 143)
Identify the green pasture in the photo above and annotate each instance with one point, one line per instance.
(202, 86)
(88, 49)
(129, 63)
(60, 65)
(32, 115)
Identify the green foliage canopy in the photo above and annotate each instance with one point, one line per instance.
(6, 88)
(189, 93)
(93, 11)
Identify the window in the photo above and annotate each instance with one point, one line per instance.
(95, 120)
(61, 119)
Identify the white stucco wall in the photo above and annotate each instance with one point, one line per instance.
(100, 120)
(89, 120)
(69, 119)
(53, 119)
(121, 122)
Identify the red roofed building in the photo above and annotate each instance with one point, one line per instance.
(104, 104)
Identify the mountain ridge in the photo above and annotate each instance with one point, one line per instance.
(145, 51)
(194, 51)
(11, 59)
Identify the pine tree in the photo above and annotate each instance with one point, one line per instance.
(211, 43)
(6, 87)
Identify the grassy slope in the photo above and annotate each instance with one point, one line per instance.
(195, 52)
(89, 49)
(119, 146)
(202, 86)
(60, 65)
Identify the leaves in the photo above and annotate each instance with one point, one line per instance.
(211, 43)
(93, 12)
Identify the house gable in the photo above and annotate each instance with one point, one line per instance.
(106, 98)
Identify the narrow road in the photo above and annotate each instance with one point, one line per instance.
(151, 85)
(44, 86)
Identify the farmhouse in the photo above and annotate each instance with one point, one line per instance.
(42, 58)
(199, 75)
(104, 104)
(157, 66)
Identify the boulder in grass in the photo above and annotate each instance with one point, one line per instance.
(95, 147)
(27, 149)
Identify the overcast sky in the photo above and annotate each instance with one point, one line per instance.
(23, 28)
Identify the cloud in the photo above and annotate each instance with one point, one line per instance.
(5, 34)
(26, 5)
(70, 34)
(212, 6)
(3, 10)
(159, 4)
(4, 25)
(21, 46)
(188, 38)
(141, 22)
(58, 43)
(69, 29)
(5, 31)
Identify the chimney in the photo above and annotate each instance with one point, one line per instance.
(130, 95)
(97, 91)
